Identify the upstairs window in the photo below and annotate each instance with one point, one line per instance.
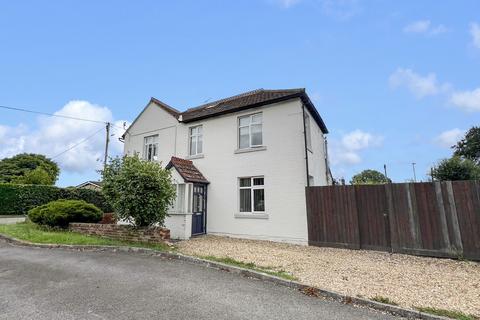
(196, 140)
(308, 133)
(150, 150)
(250, 131)
(252, 195)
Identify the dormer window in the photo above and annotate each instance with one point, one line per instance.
(150, 150)
(195, 140)
(250, 131)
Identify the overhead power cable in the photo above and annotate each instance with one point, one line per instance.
(77, 144)
(51, 114)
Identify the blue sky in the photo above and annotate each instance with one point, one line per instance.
(395, 81)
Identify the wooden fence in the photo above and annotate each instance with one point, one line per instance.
(440, 219)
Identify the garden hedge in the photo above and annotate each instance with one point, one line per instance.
(17, 199)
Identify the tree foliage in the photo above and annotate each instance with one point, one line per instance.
(456, 168)
(469, 146)
(28, 168)
(139, 191)
(60, 213)
(19, 198)
(370, 177)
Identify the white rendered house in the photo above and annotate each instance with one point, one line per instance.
(241, 164)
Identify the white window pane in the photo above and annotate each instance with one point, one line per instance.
(193, 146)
(257, 118)
(245, 182)
(258, 181)
(199, 129)
(245, 200)
(256, 134)
(244, 138)
(199, 144)
(244, 121)
(155, 139)
(258, 200)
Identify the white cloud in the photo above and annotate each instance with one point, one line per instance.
(424, 27)
(347, 150)
(449, 138)
(340, 9)
(467, 100)
(54, 135)
(475, 32)
(420, 86)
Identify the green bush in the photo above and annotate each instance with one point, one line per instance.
(18, 199)
(60, 213)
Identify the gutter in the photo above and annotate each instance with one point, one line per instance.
(305, 144)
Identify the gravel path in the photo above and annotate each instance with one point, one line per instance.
(407, 280)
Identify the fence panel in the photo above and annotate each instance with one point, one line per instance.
(434, 219)
(373, 217)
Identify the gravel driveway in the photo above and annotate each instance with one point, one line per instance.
(407, 280)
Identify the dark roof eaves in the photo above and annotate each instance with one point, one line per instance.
(300, 94)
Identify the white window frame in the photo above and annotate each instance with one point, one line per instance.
(146, 147)
(308, 132)
(249, 126)
(252, 187)
(195, 136)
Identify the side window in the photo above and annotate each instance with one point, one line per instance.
(250, 131)
(195, 140)
(252, 195)
(308, 132)
(150, 149)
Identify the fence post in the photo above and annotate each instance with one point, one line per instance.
(392, 225)
(413, 215)
(457, 240)
(443, 217)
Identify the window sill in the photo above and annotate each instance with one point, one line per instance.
(310, 149)
(197, 156)
(251, 215)
(250, 149)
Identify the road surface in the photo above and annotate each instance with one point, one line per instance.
(39, 283)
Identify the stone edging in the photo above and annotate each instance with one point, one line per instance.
(311, 291)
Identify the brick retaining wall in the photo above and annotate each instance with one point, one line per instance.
(122, 232)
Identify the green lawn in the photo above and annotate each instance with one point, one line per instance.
(32, 233)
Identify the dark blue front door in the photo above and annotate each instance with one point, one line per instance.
(199, 207)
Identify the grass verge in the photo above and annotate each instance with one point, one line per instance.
(250, 265)
(31, 232)
(447, 313)
(384, 300)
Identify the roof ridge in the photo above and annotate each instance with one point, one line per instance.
(240, 95)
(163, 104)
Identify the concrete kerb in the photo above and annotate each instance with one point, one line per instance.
(308, 290)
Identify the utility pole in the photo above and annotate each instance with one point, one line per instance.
(107, 140)
(385, 170)
(414, 174)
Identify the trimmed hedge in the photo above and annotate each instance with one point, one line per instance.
(17, 199)
(61, 212)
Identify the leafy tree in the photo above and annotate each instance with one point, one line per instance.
(456, 168)
(35, 176)
(139, 191)
(370, 177)
(469, 146)
(18, 169)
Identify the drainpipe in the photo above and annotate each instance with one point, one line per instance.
(305, 142)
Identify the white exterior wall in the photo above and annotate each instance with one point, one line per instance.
(282, 164)
(317, 167)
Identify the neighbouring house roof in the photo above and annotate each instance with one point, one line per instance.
(243, 101)
(187, 170)
(94, 183)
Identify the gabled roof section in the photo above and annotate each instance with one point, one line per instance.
(243, 101)
(174, 112)
(251, 99)
(94, 183)
(187, 170)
